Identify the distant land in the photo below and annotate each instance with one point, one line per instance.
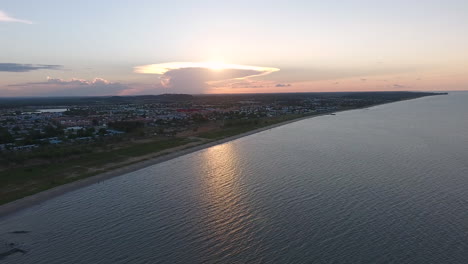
(6, 102)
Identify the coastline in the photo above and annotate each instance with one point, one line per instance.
(38, 198)
(29, 201)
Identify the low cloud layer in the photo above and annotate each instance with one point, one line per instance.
(15, 67)
(73, 87)
(4, 17)
(74, 81)
(193, 78)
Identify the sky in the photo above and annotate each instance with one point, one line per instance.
(115, 47)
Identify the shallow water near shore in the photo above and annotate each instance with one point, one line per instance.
(379, 185)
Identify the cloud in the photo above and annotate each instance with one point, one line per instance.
(198, 80)
(398, 86)
(15, 67)
(4, 17)
(191, 77)
(74, 81)
(283, 85)
(242, 84)
(72, 87)
(249, 84)
(163, 68)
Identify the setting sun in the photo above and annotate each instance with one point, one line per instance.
(163, 68)
(216, 66)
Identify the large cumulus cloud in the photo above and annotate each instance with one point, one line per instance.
(196, 78)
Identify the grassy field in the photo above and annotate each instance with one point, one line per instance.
(19, 182)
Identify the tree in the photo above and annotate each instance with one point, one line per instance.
(52, 131)
(102, 131)
(199, 118)
(90, 130)
(5, 136)
(127, 126)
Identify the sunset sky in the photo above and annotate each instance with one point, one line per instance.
(86, 48)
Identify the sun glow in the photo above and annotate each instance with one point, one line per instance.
(214, 65)
(162, 68)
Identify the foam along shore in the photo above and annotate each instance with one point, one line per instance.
(165, 155)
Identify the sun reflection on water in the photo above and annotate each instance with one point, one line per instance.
(229, 219)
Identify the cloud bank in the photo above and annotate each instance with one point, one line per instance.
(4, 17)
(193, 77)
(15, 67)
(72, 87)
(75, 81)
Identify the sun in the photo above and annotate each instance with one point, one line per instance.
(163, 68)
(215, 65)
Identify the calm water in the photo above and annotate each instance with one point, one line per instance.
(388, 184)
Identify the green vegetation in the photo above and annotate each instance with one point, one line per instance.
(19, 182)
(227, 132)
(127, 126)
(5, 136)
(236, 127)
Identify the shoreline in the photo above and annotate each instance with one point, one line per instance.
(31, 200)
(38, 198)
